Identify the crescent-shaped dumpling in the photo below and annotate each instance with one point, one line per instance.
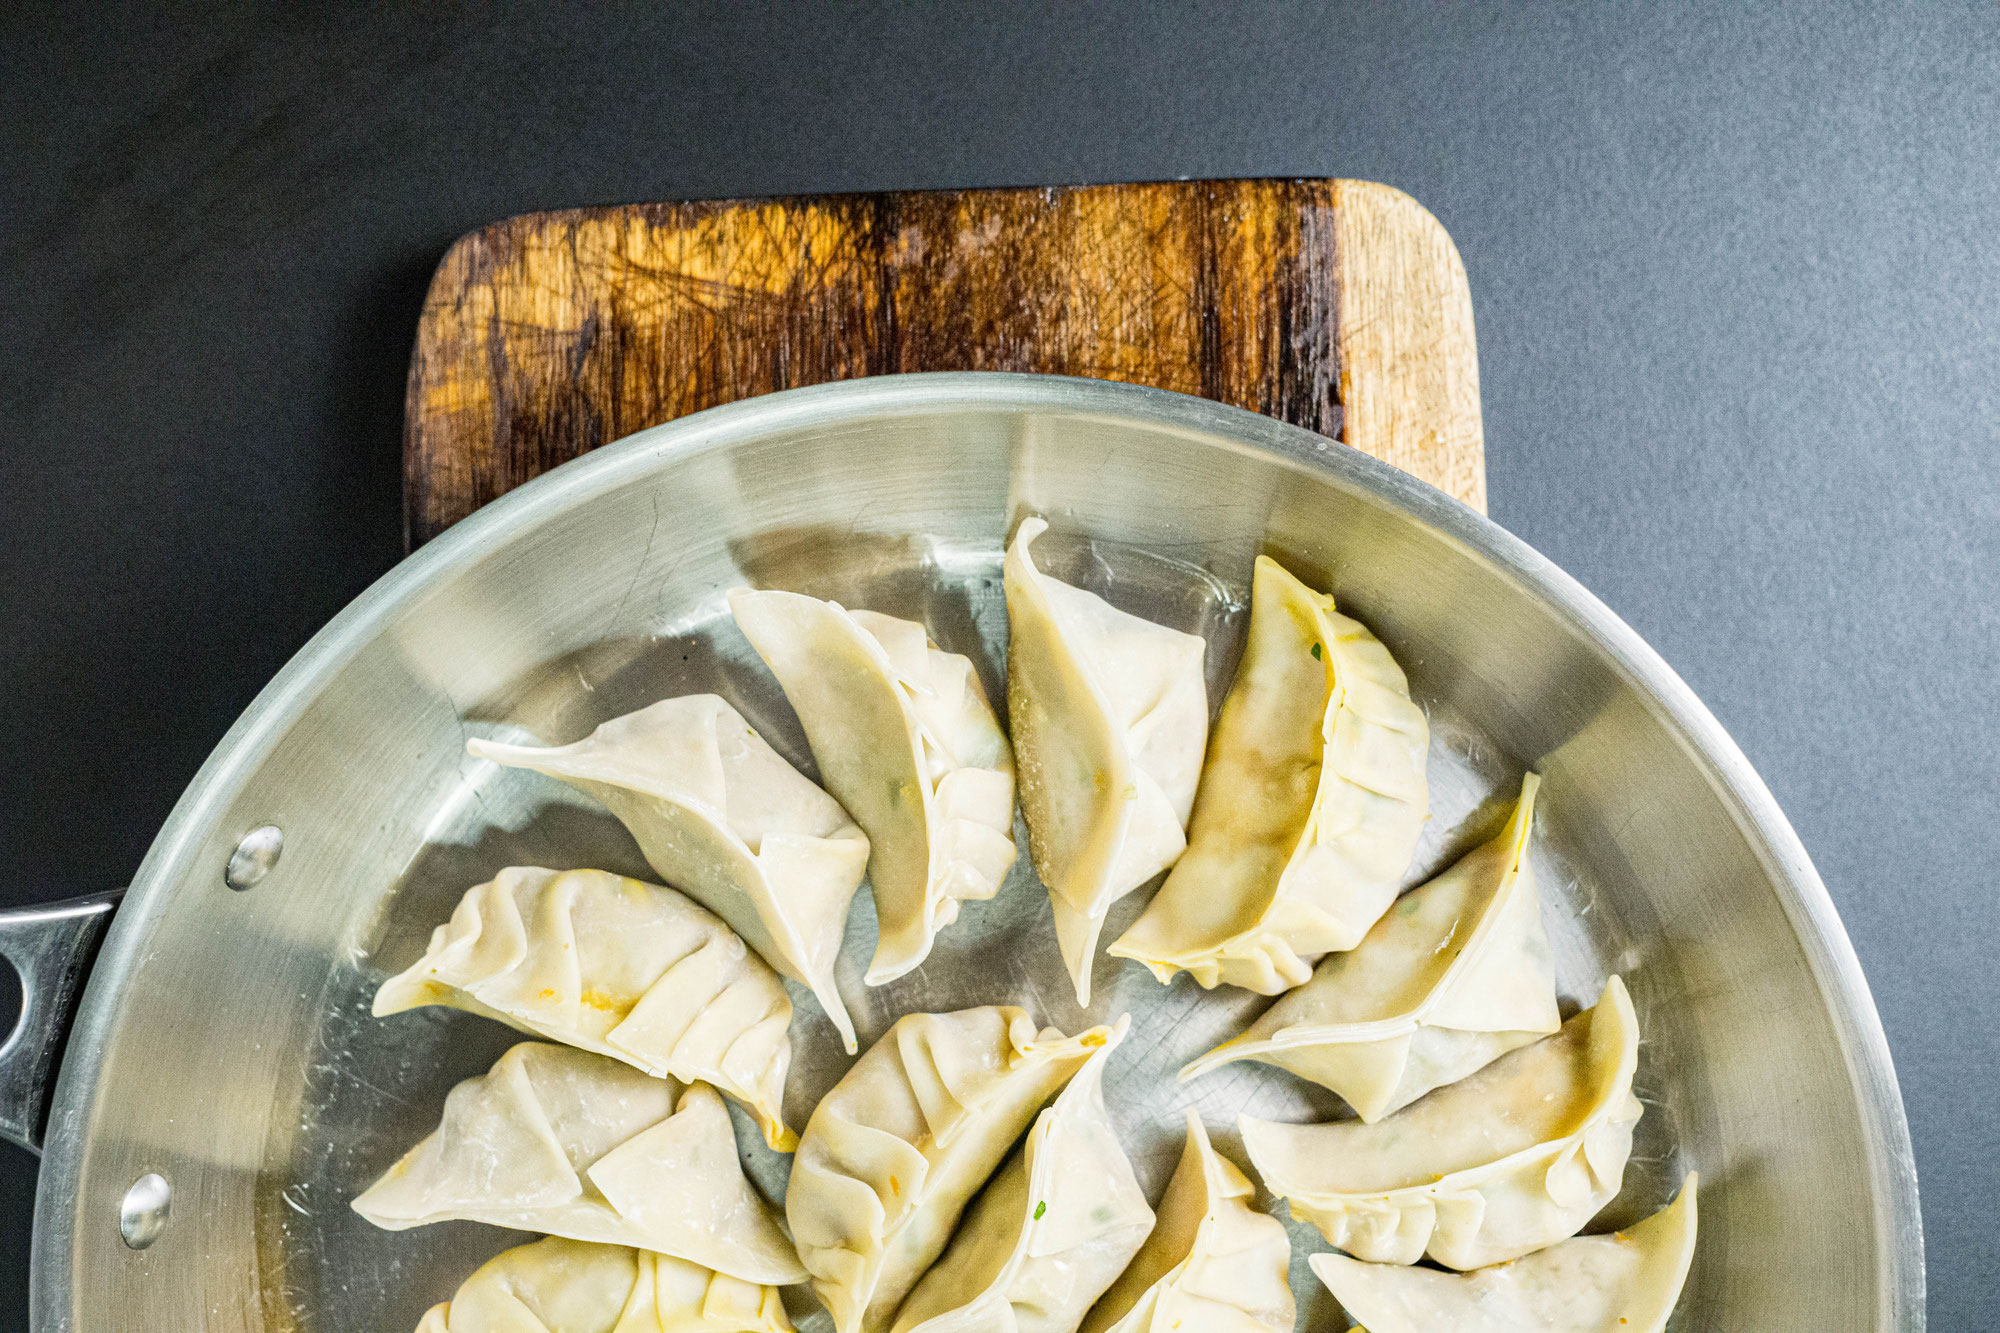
(1110, 716)
(723, 818)
(615, 966)
(1627, 1282)
(906, 741)
(1516, 1157)
(1457, 974)
(1311, 802)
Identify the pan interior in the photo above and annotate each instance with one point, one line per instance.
(608, 595)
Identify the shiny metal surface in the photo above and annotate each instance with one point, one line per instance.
(50, 949)
(225, 1040)
(254, 857)
(145, 1211)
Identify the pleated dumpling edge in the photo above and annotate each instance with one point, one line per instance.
(1514, 1158)
(1312, 799)
(1623, 1283)
(895, 1151)
(603, 1289)
(1050, 1231)
(617, 967)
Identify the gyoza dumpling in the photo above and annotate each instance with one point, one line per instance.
(905, 739)
(1310, 805)
(571, 1286)
(1049, 1233)
(1213, 1265)
(563, 1141)
(1110, 714)
(893, 1152)
(619, 967)
(1455, 977)
(1622, 1283)
(723, 818)
(1516, 1157)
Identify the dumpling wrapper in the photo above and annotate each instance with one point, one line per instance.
(1110, 717)
(1516, 1157)
(906, 741)
(1628, 1282)
(897, 1147)
(1456, 975)
(569, 1143)
(1311, 802)
(724, 819)
(556, 1285)
(1213, 1264)
(1049, 1233)
(615, 966)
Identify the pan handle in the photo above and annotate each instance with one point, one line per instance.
(51, 948)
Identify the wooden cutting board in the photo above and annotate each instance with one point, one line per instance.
(1340, 306)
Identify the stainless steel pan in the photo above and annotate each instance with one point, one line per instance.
(224, 1092)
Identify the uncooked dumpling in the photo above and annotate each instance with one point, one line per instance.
(906, 741)
(619, 967)
(894, 1151)
(1455, 976)
(1310, 806)
(1214, 1264)
(571, 1286)
(1110, 715)
(563, 1141)
(1516, 1157)
(723, 818)
(1049, 1233)
(1622, 1283)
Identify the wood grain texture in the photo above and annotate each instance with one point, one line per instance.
(1409, 365)
(1340, 306)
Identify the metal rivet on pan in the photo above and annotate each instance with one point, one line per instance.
(143, 1215)
(254, 857)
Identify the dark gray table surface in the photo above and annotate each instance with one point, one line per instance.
(1739, 322)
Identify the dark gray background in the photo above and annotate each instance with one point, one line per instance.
(1735, 278)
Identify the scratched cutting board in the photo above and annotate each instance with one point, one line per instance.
(1340, 306)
